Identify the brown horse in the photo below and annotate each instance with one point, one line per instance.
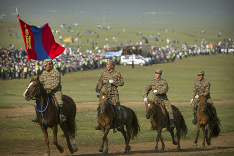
(204, 122)
(48, 115)
(160, 121)
(107, 121)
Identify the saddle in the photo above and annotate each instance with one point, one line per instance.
(54, 101)
(166, 115)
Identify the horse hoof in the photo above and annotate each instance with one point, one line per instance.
(178, 149)
(155, 150)
(127, 149)
(71, 150)
(203, 145)
(47, 154)
(61, 150)
(162, 149)
(175, 143)
(106, 151)
(101, 149)
(75, 149)
(195, 144)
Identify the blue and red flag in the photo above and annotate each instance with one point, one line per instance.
(39, 42)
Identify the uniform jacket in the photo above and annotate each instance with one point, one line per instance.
(201, 88)
(104, 81)
(160, 85)
(51, 81)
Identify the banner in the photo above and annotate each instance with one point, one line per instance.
(39, 42)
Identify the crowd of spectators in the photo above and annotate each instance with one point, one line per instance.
(14, 63)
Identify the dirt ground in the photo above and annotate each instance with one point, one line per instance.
(222, 144)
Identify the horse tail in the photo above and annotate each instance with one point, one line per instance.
(71, 123)
(216, 129)
(135, 125)
(183, 126)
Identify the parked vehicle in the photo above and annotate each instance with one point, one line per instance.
(137, 59)
(229, 50)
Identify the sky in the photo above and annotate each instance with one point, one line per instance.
(120, 11)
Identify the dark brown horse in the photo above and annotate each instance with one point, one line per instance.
(204, 122)
(48, 115)
(107, 122)
(159, 121)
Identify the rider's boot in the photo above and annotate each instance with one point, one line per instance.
(98, 127)
(119, 125)
(195, 119)
(172, 125)
(152, 127)
(35, 120)
(61, 115)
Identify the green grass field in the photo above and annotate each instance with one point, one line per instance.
(181, 32)
(81, 87)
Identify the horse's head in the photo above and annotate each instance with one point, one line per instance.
(33, 89)
(103, 101)
(202, 102)
(149, 105)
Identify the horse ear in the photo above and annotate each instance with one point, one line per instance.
(100, 92)
(148, 100)
(32, 79)
(38, 78)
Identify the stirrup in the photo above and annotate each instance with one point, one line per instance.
(35, 120)
(62, 118)
(152, 128)
(98, 127)
(194, 122)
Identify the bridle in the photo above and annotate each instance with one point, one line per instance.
(199, 104)
(34, 96)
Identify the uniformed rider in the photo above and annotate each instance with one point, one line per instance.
(159, 88)
(51, 80)
(202, 87)
(110, 80)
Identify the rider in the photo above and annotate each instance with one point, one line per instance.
(159, 87)
(202, 87)
(110, 80)
(51, 79)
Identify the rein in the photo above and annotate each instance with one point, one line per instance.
(199, 104)
(41, 110)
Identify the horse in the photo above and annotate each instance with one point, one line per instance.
(107, 120)
(204, 122)
(48, 115)
(160, 121)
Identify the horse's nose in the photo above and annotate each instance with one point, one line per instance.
(147, 116)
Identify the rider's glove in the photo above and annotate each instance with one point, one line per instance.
(197, 96)
(145, 99)
(191, 101)
(98, 95)
(110, 81)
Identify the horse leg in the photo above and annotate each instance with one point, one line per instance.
(73, 130)
(126, 139)
(65, 131)
(204, 136)
(161, 139)
(44, 129)
(157, 139)
(55, 131)
(198, 130)
(173, 136)
(128, 147)
(178, 137)
(104, 138)
(208, 136)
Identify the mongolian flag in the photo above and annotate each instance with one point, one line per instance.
(39, 42)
